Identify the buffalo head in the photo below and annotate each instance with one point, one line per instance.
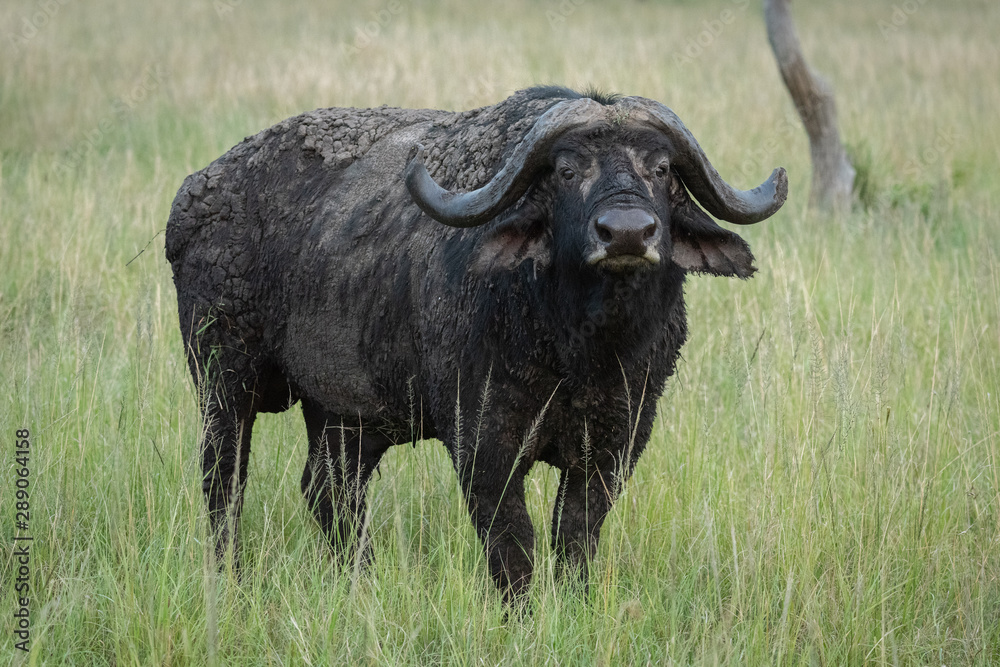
(605, 187)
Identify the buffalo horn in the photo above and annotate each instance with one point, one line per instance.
(469, 209)
(742, 207)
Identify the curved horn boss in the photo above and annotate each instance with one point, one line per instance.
(470, 209)
(741, 207)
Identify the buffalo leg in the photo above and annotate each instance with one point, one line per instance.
(494, 491)
(340, 464)
(585, 498)
(225, 459)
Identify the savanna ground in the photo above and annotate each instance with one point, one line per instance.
(822, 486)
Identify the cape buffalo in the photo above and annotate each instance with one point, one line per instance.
(508, 280)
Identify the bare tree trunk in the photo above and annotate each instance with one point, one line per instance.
(833, 175)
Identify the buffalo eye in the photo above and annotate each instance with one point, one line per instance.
(567, 173)
(662, 170)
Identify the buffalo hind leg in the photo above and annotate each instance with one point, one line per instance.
(339, 466)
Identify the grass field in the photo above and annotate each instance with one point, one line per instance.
(822, 487)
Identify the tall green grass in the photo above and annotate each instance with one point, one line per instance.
(822, 486)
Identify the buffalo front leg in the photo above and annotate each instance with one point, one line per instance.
(225, 458)
(340, 464)
(584, 500)
(494, 493)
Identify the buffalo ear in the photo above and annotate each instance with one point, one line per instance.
(521, 236)
(702, 246)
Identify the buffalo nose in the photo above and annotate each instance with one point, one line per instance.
(626, 231)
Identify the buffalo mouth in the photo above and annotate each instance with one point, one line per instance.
(624, 263)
